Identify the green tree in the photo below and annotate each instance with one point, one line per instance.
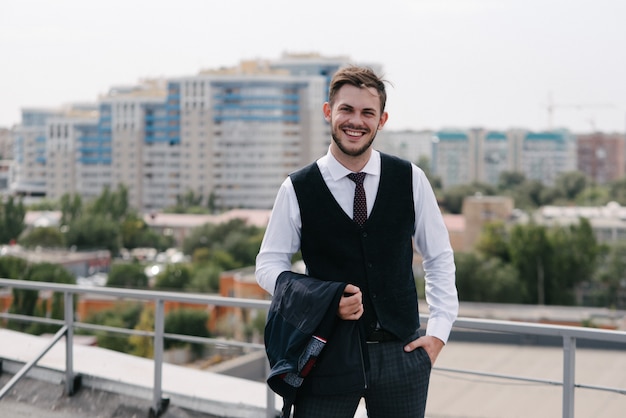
(509, 180)
(143, 345)
(48, 237)
(487, 279)
(174, 277)
(54, 307)
(570, 184)
(617, 191)
(94, 231)
(124, 315)
(71, 208)
(135, 233)
(235, 237)
(192, 322)
(574, 254)
(205, 278)
(127, 275)
(113, 205)
(12, 214)
(611, 274)
(493, 241)
(530, 251)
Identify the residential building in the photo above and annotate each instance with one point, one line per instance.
(229, 135)
(602, 157)
(455, 156)
(6, 144)
(544, 155)
(29, 154)
(478, 155)
(410, 145)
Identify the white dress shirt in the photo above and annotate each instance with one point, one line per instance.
(431, 239)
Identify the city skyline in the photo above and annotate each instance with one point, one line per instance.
(493, 64)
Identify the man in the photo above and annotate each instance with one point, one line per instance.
(317, 211)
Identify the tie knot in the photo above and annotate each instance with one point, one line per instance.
(357, 177)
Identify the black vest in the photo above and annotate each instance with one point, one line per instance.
(376, 257)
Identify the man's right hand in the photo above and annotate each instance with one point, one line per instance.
(351, 304)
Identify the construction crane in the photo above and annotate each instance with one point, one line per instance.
(551, 106)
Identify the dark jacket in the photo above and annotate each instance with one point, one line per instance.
(300, 321)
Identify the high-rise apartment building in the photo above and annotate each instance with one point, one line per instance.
(544, 155)
(229, 135)
(407, 144)
(29, 153)
(478, 155)
(602, 157)
(455, 156)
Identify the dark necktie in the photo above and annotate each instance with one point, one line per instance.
(360, 204)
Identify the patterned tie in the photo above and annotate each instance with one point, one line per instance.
(360, 204)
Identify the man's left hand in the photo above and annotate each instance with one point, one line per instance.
(432, 345)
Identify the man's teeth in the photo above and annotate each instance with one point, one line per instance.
(354, 133)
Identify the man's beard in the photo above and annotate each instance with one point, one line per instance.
(356, 152)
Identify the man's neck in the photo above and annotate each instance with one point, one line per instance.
(352, 163)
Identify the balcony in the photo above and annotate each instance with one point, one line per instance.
(490, 368)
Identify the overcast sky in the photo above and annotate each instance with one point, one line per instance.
(453, 63)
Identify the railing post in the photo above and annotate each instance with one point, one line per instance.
(271, 398)
(569, 375)
(159, 405)
(70, 382)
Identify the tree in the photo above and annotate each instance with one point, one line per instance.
(530, 251)
(143, 345)
(611, 274)
(617, 191)
(12, 224)
(205, 278)
(71, 208)
(48, 237)
(124, 315)
(571, 184)
(113, 205)
(174, 277)
(510, 180)
(94, 231)
(574, 253)
(191, 322)
(55, 306)
(493, 241)
(135, 233)
(127, 275)
(487, 279)
(235, 237)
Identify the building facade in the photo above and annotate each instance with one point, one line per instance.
(230, 136)
(602, 157)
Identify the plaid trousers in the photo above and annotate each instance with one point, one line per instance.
(397, 387)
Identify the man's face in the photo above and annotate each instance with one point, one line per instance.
(354, 117)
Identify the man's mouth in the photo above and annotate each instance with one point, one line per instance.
(354, 133)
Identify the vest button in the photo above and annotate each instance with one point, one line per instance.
(369, 265)
(364, 235)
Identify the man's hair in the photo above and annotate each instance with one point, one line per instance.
(358, 77)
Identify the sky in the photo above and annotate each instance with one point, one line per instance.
(495, 64)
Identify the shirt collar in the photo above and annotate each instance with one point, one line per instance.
(338, 171)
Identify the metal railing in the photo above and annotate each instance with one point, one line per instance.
(569, 335)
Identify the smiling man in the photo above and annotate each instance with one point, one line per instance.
(356, 215)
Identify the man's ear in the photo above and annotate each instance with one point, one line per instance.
(383, 120)
(327, 111)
